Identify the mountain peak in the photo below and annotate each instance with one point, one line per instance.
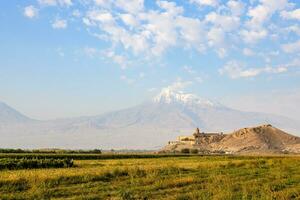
(10, 115)
(170, 96)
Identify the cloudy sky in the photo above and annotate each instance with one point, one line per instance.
(64, 58)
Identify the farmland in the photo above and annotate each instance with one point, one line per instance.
(152, 176)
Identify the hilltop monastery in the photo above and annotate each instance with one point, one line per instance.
(198, 138)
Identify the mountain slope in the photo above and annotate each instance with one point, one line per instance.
(147, 126)
(10, 115)
(185, 111)
(264, 138)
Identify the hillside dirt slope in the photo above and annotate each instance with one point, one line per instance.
(265, 138)
(260, 139)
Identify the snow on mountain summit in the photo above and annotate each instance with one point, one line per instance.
(169, 96)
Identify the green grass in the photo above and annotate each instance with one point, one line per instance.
(178, 178)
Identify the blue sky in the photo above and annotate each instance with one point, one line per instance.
(65, 58)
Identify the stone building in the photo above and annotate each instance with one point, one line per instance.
(197, 138)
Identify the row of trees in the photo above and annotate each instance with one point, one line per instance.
(25, 163)
(93, 151)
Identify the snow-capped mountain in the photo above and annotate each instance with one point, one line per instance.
(168, 96)
(146, 126)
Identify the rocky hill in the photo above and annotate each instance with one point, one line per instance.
(260, 139)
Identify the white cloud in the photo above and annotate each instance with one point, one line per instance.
(253, 36)
(88, 22)
(129, 20)
(236, 70)
(226, 22)
(179, 85)
(115, 32)
(59, 24)
(215, 37)
(102, 2)
(191, 31)
(148, 32)
(134, 6)
(293, 28)
(255, 28)
(222, 53)
(30, 11)
(212, 3)
(139, 31)
(236, 7)
(56, 2)
(264, 11)
(119, 59)
(293, 47)
(102, 16)
(294, 14)
(248, 52)
(170, 7)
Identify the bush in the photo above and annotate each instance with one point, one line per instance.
(24, 163)
(194, 151)
(185, 150)
(52, 151)
(84, 156)
(13, 151)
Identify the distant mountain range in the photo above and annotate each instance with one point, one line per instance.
(10, 115)
(146, 126)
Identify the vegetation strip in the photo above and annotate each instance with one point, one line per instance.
(76, 156)
(33, 163)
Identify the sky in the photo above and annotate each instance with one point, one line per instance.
(68, 58)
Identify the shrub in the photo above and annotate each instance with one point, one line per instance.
(25, 163)
(185, 150)
(85, 156)
(194, 151)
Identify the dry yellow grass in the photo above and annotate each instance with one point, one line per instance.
(208, 177)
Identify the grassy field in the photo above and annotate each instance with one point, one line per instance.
(185, 177)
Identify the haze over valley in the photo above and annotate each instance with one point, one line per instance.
(146, 126)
